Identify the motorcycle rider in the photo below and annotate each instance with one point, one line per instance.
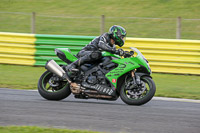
(105, 42)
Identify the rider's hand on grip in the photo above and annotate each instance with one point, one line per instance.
(120, 52)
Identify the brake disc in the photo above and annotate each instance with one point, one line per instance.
(136, 92)
(53, 83)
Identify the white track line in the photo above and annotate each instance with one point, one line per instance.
(167, 99)
(32, 90)
(176, 99)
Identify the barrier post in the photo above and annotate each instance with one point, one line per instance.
(178, 28)
(33, 23)
(102, 24)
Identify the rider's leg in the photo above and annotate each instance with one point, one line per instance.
(87, 56)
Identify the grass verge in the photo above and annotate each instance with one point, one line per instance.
(32, 129)
(168, 85)
(75, 17)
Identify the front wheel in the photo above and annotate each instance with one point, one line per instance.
(51, 88)
(140, 95)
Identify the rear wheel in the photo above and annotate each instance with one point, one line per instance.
(138, 95)
(51, 88)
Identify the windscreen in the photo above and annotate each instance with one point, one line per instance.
(138, 53)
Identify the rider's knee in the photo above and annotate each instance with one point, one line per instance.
(95, 55)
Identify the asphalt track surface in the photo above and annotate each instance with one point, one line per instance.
(20, 107)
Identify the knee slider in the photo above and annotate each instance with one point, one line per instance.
(96, 55)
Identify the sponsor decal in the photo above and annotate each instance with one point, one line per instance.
(114, 80)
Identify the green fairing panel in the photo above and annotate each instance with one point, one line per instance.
(125, 65)
(109, 54)
(142, 62)
(68, 54)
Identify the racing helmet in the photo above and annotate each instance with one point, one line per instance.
(118, 34)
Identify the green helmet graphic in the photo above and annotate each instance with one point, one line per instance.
(118, 34)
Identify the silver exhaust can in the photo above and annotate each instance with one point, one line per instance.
(53, 67)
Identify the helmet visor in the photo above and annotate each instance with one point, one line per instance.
(123, 38)
(120, 41)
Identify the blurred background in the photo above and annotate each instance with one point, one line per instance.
(144, 27)
(141, 18)
(166, 19)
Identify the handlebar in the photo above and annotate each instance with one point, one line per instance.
(128, 54)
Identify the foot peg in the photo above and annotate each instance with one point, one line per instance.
(74, 70)
(71, 68)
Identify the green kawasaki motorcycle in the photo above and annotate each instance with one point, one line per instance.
(109, 78)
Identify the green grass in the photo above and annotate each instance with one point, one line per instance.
(168, 85)
(20, 77)
(179, 86)
(154, 28)
(32, 129)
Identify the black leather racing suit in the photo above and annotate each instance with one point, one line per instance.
(92, 51)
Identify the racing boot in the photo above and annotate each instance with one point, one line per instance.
(72, 67)
(82, 60)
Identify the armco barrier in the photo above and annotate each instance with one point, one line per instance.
(164, 55)
(169, 55)
(17, 48)
(45, 45)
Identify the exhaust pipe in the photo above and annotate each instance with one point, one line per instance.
(53, 67)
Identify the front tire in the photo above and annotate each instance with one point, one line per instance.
(52, 93)
(146, 97)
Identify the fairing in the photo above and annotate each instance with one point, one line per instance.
(127, 64)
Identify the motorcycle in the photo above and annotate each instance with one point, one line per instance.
(109, 78)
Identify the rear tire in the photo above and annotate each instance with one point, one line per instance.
(57, 94)
(144, 99)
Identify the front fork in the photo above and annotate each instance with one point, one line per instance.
(136, 79)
